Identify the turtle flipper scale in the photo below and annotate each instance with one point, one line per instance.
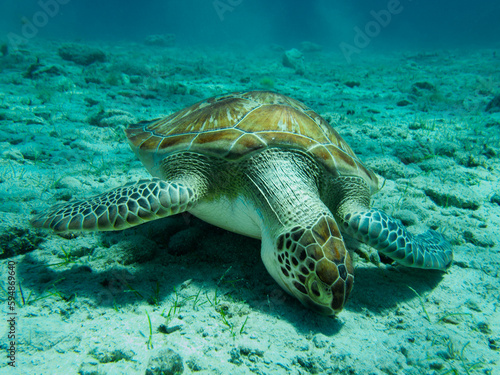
(120, 208)
(390, 237)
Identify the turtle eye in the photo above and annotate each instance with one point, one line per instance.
(315, 289)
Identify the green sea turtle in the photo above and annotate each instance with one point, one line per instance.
(266, 166)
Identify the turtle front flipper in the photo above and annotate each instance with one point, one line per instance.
(390, 237)
(120, 208)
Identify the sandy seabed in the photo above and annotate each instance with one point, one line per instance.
(182, 296)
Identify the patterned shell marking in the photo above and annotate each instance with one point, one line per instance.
(233, 125)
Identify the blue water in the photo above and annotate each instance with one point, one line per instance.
(416, 24)
(425, 116)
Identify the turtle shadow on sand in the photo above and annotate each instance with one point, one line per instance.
(155, 277)
(379, 289)
(223, 255)
(376, 292)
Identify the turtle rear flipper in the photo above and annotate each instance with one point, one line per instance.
(390, 237)
(120, 208)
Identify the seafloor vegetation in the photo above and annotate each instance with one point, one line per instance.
(181, 296)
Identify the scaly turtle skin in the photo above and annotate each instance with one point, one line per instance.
(263, 165)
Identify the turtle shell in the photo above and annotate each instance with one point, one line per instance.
(235, 125)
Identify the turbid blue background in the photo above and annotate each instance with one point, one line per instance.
(422, 23)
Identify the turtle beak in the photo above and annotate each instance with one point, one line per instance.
(321, 306)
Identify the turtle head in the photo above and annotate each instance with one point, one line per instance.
(311, 263)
